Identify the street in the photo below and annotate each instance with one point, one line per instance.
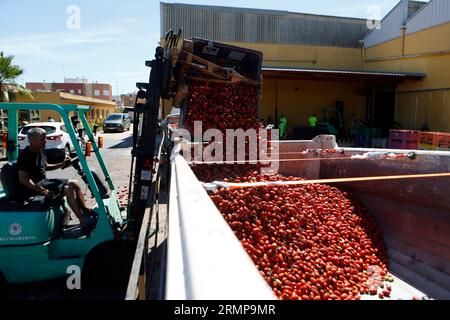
(117, 156)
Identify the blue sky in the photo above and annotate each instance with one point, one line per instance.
(116, 36)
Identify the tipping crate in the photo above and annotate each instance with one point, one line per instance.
(217, 68)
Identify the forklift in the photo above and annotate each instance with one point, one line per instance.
(331, 121)
(34, 244)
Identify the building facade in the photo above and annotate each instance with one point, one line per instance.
(100, 108)
(312, 63)
(77, 86)
(419, 41)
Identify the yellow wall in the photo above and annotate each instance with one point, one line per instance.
(99, 112)
(298, 99)
(52, 97)
(431, 41)
(415, 108)
(276, 55)
(419, 101)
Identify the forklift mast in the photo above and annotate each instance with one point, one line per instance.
(145, 130)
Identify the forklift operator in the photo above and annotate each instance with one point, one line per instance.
(32, 165)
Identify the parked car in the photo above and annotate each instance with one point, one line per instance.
(117, 122)
(58, 144)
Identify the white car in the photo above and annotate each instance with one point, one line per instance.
(58, 143)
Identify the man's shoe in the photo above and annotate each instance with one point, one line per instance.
(91, 223)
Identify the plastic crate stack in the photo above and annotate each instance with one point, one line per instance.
(434, 141)
(444, 143)
(404, 139)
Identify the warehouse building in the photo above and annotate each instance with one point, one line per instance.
(395, 75)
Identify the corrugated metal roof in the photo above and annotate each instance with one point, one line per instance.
(390, 26)
(433, 13)
(345, 72)
(262, 26)
(414, 15)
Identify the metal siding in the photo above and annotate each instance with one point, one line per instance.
(390, 27)
(262, 26)
(434, 13)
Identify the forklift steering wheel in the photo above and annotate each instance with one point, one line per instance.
(73, 162)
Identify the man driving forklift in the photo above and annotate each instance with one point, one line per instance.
(32, 166)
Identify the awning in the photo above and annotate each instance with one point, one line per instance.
(70, 98)
(330, 74)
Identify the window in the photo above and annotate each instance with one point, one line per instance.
(47, 129)
(106, 93)
(35, 115)
(63, 128)
(114, 117)
(79, 91)
(96, 93)
(72, 91)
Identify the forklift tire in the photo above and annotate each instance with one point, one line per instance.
(108, 267)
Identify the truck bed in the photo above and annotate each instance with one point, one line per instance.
(413, 214)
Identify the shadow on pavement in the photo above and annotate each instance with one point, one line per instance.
(126, 143)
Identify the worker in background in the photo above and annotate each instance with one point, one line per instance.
(283, 126)
(312, 120)
(50, 119)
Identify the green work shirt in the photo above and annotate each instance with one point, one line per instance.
(312, 121)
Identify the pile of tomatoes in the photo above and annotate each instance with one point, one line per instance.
(310, 242)
(222, 106)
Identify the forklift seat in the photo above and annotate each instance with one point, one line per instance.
(9, 177)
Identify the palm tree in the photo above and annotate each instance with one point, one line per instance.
(9, 88)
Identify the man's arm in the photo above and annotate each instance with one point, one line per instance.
(51, 167)
(25, 180)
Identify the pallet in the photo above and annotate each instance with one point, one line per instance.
(211, 71)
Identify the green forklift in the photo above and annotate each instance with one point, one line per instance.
(331, 121)
(35, 245)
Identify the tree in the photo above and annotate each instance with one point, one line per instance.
(9, 88)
